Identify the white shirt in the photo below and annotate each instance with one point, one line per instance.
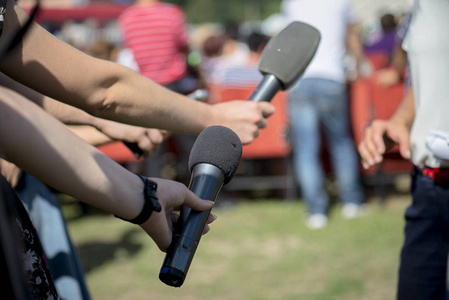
(427, 46)
(331, 18)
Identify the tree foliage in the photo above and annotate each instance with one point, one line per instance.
(199, 11)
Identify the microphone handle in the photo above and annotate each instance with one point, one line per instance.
(266, 89)
(206, 183)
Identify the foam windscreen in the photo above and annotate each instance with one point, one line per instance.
(218, 146)
(287, 54)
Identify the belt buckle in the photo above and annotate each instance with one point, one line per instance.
(438, 175)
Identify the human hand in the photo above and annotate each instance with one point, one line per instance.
(172, 195)
(381, 136)
(11, 172)
(387, 77)
(148, 139)
(244, 117)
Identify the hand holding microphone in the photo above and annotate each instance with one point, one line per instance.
(213, 162)
(216, 154)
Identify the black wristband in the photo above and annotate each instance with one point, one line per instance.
(151, 202)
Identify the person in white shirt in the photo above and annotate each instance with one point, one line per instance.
(320, 100)
(415, 126)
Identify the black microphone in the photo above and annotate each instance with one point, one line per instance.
(285, 58)
(217, 151)
(213, 161)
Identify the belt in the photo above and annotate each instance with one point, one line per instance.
(438, 175)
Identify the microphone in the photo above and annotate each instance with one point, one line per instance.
(285, 58)
(217, 151)
(213, 161)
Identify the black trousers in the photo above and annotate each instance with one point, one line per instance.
(424, 256)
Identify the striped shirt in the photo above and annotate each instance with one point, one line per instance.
(156, 33)
(240, 76)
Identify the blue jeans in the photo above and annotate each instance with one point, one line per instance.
(423, 269)
(314, 105)
(45, 211)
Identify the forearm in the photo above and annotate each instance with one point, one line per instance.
(65, 113)
(64, 161)
(354, 43)
(90, 135)
(405, 113)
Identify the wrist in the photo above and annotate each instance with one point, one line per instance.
(151, 202)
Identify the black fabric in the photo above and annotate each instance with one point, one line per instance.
(9, 42)
(2, 12)
(12, 281)
(23, 268)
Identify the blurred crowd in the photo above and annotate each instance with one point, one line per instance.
(225, 56)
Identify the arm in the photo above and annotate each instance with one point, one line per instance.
(355, 47)
(67, 163)
(101, 130)
(381, 135)
(111, 91)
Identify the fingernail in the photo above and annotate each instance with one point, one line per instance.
(378, 159)
(365, 165)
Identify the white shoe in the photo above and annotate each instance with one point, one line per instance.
(352, 210)
(317, 221)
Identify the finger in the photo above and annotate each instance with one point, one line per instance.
(402, 139)
(145, 145)
(159, 230)
(377, 133)
(370, 147)
(262, 123)
(211, 218)
(367, 158)
(206, 229)
(194, 202)
(267, 109)
(156, 137)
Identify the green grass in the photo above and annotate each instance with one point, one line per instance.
(256, 250)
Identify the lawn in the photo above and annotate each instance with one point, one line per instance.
(256, 250)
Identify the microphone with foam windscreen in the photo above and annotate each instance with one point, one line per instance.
(213, 161)
(216, 153)
(285, 58)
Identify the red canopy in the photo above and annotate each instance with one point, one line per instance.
(99, 11)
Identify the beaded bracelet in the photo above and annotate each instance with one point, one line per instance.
(151, 202)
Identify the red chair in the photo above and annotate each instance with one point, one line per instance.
(118, 152)
(266, 161)
(370, 101)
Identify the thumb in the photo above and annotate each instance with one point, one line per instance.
(403, 141)
(194, 202)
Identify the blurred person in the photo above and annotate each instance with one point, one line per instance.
(212, 50)
(397, 71)
(384, 41)
(319, 100)
(156, 33)
(247, 74)
(233, 52)
(424, 255)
